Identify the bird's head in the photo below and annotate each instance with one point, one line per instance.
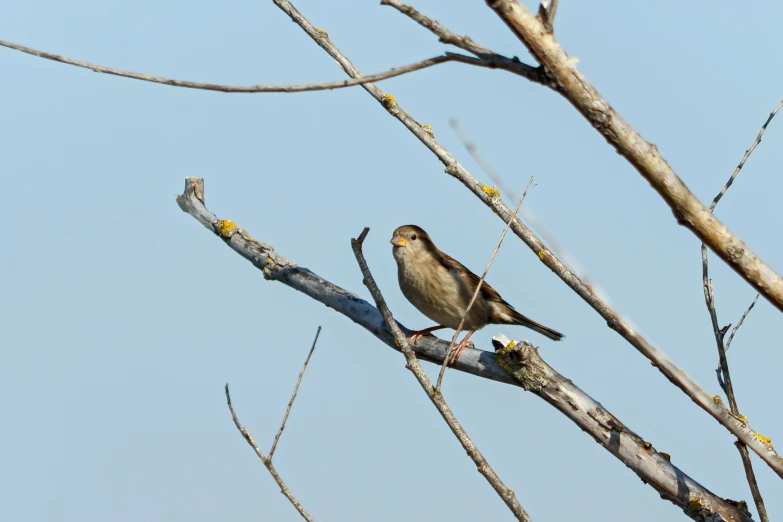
(409, 242)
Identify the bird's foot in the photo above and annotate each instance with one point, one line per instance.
(416, 335)
(458, 350)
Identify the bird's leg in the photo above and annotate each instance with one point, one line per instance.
(418, 334)
(461, 346)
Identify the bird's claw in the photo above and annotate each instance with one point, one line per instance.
(416, 336)
(458, 350)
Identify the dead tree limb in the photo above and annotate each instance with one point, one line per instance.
(761, 445)
(642, 155)
(476, 362)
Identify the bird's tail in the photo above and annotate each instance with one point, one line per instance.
(517, 318)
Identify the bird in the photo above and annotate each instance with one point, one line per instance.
(441, 288)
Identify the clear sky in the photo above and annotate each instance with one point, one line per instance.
(122, 318)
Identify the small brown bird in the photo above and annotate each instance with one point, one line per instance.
(441, 288)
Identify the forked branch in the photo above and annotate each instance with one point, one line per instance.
(659, 474)
(265, 461)
(489, 62)
(489, 197)
(724, 376)
(642, 155)
(505, 493)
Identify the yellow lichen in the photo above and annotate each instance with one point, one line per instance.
(694, 504)
(225, 227)
(765, 440)
(665, 455)
(388, 100)
(322, 32)
(502, 363)
(250, 238)
(743, 419)
(647, 445)
(428, 129)
(491, 192)
(717, 399)
(541, 255)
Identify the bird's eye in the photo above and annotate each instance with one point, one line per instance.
(413, 236)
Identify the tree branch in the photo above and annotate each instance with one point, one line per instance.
(446, 36)
(761, 445)
(293, 395)
(397, 71)
(476, 362)
(739, 323)
(546, 13)
(267, 462)
(524, 363)
(745, 157)
(644, 156)
(724, 377)
(435, 396)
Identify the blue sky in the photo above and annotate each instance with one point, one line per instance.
(122, 318)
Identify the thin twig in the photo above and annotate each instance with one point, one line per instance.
(687, 209)
(479, 285)
(660, 474)
(745, 157)
(613, 319)
(739, 323)
(724, 376)
(724, 379)
(266, 462)
(546, 13)
(435, 396)
(397, 71)
(449, 37)
(526, 211)
(293, 395)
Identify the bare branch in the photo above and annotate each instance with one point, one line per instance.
(523, 361)
(724, 377)
(277, 268)
(480, 284)
(446, 36)
(267, 462)
(293, 395)
(644, 156)
(476, 362)
(546, 13)
(745, 157)
(397, 71)
(489, 197)
(739, 323)
(434, 395)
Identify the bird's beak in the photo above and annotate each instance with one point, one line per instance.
(398, 241)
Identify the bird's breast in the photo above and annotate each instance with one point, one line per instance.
(438, 293)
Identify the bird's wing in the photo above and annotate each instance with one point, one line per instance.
(487, 292)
